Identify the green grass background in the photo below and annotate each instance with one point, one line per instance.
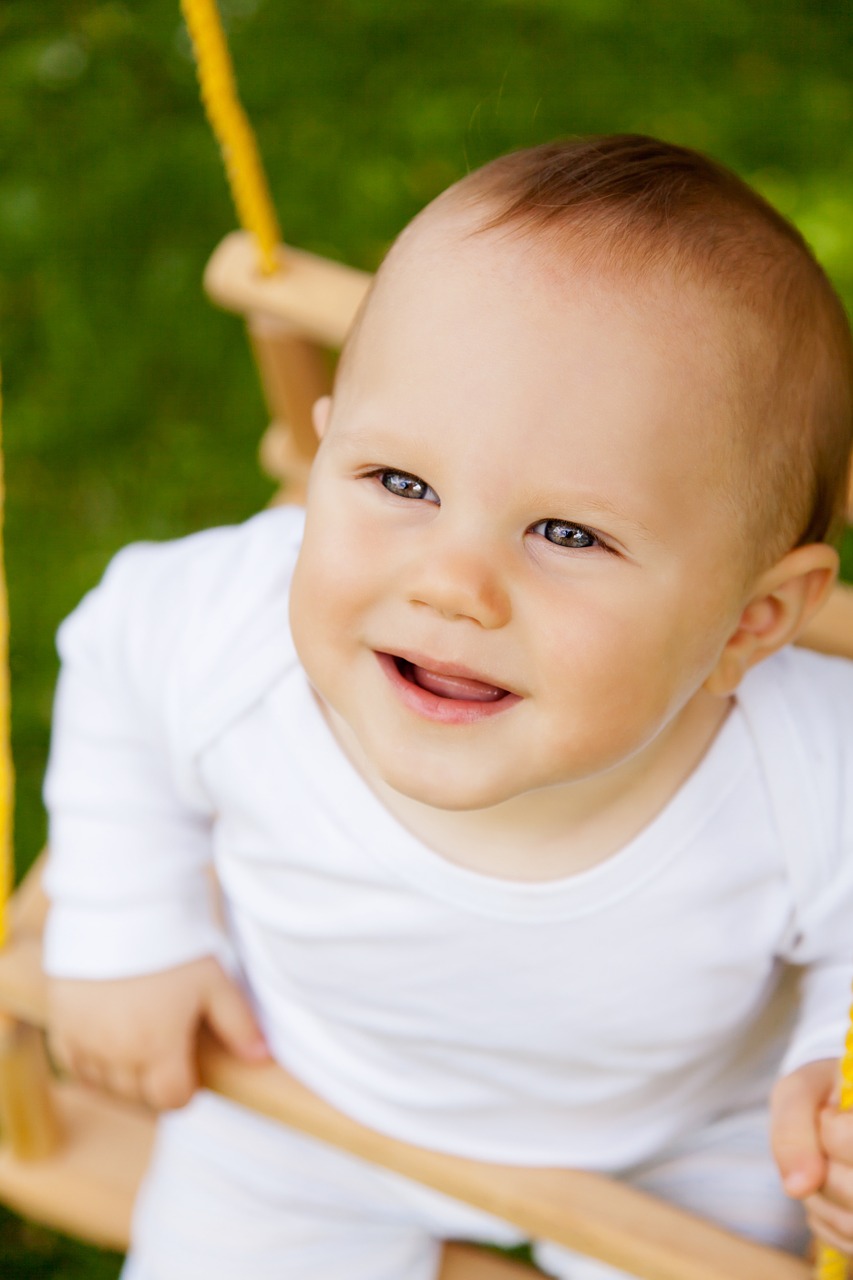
(131, 406)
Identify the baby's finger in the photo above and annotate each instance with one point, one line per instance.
(795, 1102)
(838, 1187)
(836, 1134)
(230, 1015)
(830, 1224)
(829, 1238)
(170, 1083)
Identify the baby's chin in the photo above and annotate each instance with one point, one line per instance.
(445, 787)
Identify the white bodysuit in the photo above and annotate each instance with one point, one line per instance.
(592, 1021)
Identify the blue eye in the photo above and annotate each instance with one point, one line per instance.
(406, 486)
(564, 533)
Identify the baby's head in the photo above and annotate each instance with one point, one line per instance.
(588, 441)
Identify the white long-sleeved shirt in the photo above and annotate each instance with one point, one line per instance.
(586, 1022)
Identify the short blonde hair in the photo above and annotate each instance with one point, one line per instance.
(638, 206)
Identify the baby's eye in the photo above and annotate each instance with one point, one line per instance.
(405, 485)
(565, 533)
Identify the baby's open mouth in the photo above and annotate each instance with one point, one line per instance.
(458, 688)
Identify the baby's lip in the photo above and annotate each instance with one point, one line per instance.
(453, 669)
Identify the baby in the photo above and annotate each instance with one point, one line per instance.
(521, 807)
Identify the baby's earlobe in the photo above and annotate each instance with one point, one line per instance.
(752, 641)
(731, 667)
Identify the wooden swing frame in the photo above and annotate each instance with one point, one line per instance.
(72, 1158)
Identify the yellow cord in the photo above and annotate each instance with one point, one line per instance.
(832, 1265)
(232, 129)
(6, 770)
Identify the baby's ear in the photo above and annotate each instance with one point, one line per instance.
(785, 599)
(320, 415)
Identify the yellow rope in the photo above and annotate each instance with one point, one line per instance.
(832, 1265)
(232, 129)
(6, 770)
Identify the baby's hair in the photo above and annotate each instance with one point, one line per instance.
(637, 208)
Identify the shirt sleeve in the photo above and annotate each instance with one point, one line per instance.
(128, 872)
(822, 941)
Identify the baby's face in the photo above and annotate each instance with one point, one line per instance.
(521, 560)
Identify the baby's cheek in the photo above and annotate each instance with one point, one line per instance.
(309, 609)
(610, 691)
(328, 606)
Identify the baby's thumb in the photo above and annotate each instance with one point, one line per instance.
(228, 1013)
(795, 1109)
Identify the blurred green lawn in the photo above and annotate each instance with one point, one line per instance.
(131, 407)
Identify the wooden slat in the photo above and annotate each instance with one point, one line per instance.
(294, 373)
(318, 297)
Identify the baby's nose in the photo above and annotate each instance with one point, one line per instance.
(461, 584)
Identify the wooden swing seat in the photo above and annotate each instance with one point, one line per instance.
(85, 1186)
(73, 1158)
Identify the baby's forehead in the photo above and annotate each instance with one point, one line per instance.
(539, 283)
(456, 304)
(452, 239)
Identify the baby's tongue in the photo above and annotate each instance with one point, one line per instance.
(455, 686)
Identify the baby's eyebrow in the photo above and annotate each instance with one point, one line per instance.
(581, 505)
(373, 437)
(598, 503)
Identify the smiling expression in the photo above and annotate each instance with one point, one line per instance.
(521, 557)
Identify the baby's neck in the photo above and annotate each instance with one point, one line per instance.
(556, 831)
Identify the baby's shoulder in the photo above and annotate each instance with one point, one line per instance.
(798, 706)
(816, 687)
(215, 569)
(804, 700)
(198, 619)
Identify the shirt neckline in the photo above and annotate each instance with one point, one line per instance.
(356, 810)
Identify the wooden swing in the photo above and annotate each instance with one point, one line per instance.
(73, 1158)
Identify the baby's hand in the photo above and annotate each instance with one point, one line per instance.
(136, 1036)
(813, 1147)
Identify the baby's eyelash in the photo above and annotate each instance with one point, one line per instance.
(402, 484)
(567, 534)
(570, 534)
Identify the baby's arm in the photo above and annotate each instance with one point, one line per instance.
(132, 937)
(136, 1036)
